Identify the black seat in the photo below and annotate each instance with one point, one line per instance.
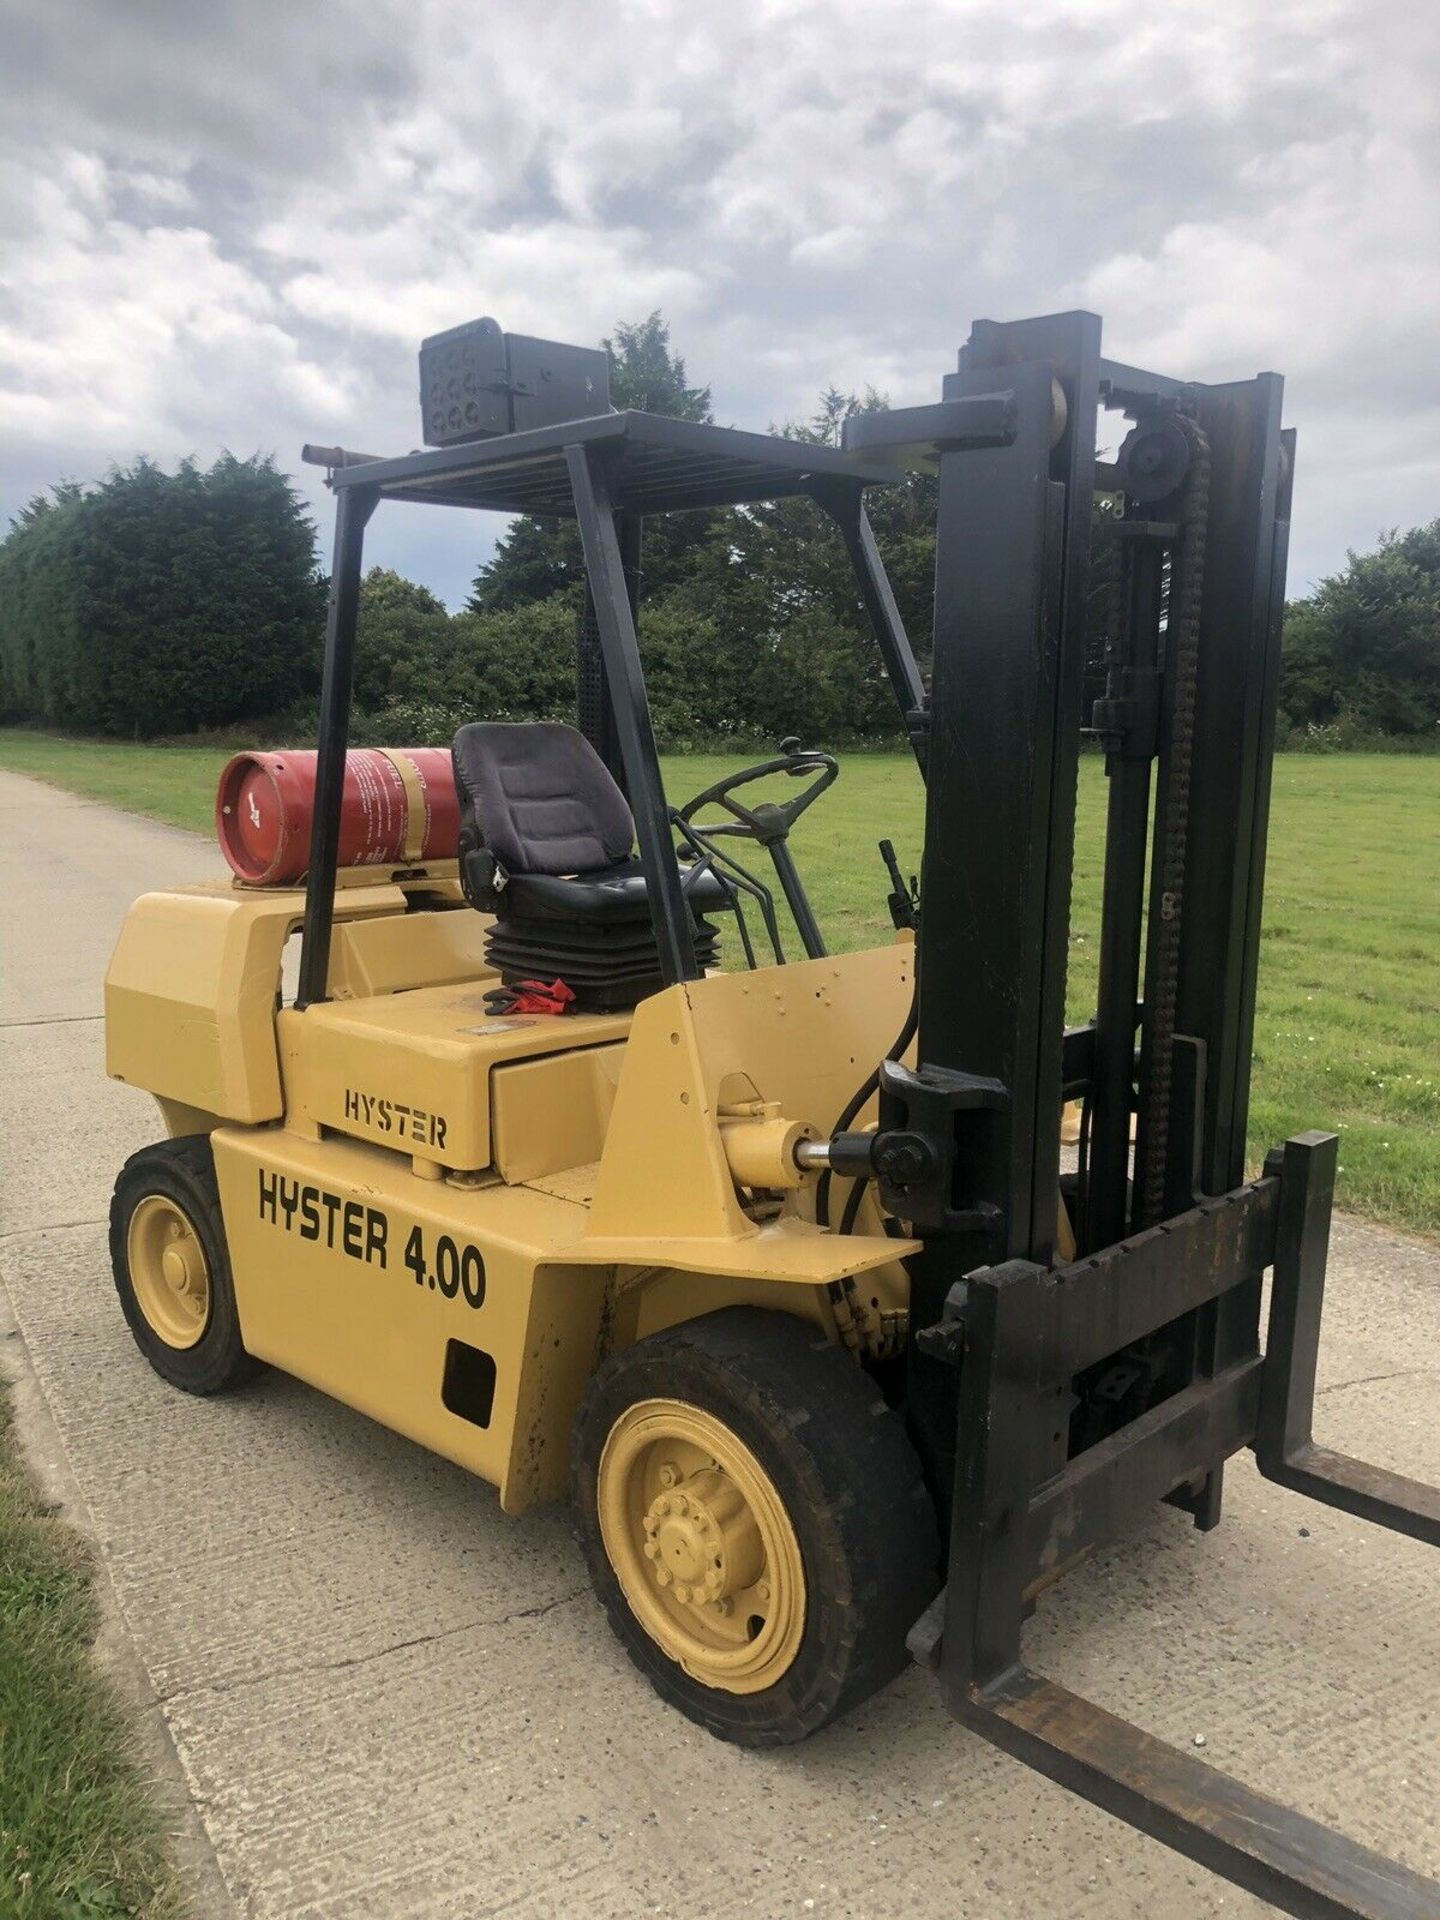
(613, 894)
(547, 845)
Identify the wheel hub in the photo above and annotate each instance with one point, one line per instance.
(703, 1547)
(168, 1270)
(178, 1264)
(702, 1540)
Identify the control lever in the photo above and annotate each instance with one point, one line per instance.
(903, 900)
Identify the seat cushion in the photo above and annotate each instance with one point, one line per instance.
(612, 895)
(540, 798)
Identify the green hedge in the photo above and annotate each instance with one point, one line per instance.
(159, 603)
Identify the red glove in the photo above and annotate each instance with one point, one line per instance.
(531, 996)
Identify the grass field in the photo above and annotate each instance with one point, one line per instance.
(78, 1839)
(1348, 1028)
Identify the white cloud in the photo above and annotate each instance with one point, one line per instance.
(376, 282)
(231, 226)
(122, 337)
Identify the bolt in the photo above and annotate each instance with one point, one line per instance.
(724, 1608)
(762, 1590)
(669, 1475)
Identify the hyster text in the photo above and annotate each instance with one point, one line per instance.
(393, 1116)
(362, 1232)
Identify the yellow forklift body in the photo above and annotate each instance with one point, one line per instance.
(453, 1316)
(412, 1070)
(190, 998)
(190, 993)
(446, 1217)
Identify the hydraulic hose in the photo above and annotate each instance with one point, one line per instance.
(852, 1206)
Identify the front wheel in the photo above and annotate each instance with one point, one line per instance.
(754, 1521)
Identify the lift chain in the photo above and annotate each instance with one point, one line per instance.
(1162, 984)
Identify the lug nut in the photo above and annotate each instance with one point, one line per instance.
(682, 1592)
(652, 1550)
(663, 1575)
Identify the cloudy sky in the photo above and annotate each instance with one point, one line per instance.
(228, 223)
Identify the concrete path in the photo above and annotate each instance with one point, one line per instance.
(389, 1700)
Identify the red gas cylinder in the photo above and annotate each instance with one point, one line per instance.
(399, 809)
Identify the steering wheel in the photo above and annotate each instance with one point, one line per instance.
(768, 821)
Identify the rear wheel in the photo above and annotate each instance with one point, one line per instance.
(172, 1269)
(754, 1521)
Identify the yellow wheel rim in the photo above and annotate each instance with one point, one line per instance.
(168, 1270)
(703, 1548)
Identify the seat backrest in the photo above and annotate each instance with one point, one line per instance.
(540, 798)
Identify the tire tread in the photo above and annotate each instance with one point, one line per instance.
(184, 1168)
(871, 1540)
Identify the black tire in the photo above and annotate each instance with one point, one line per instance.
(183, 1172)
(850, 1483)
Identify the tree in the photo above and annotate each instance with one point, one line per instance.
(402, 627)
(159, 603)
(752, 623)
(39, 612)
(1364, 649)
(646, 374)
(515, 665)
(792, 649)
(533, 560)
(539, 557)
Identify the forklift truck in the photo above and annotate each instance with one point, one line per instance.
(609, 1250)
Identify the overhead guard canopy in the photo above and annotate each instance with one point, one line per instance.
(656, 465)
